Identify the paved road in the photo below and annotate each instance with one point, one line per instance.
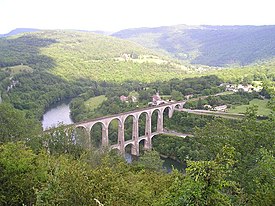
(213, 113)
(170, 132)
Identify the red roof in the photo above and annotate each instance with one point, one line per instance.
(156, 98)
(123, 98)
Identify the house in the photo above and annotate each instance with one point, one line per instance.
(248, 88)
(221, 108)
(126, 56)
(189, 96)
(156, 97)
(207, 107)
(240, 87)
(123, 98)
(156, 100)
(133, 98)
(230, 87)
(127, 99)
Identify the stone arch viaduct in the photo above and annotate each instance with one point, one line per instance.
(134, 142)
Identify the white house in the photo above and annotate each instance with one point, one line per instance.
(221, 108)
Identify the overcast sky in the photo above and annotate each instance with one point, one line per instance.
(113, 15)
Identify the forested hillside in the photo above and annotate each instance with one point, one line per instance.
(74, 55)
(40, 68)
(208, 45)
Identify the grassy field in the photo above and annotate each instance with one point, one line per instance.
(18, 69)
(224, 93)
(94, 102)
(262, 107)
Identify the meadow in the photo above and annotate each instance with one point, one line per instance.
(262, 107)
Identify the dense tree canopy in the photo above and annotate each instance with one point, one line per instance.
(229, 162)
(14, 126)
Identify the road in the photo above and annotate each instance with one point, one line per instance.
(213, 113)
(171, 132)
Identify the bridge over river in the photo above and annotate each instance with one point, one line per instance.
(136, 139)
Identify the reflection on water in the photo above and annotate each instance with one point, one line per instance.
(56, 115)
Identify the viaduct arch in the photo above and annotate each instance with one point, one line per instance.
(121, 144)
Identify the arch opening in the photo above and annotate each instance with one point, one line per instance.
(128, 154)
(113, 128)
(167, 114)
(132, 150)
(178, 106)
(142, 124)
(128, 128)
(142, 146)
(154, 120)
(128, 148)
(157, 142)
(96, 134)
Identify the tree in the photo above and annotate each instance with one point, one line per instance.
(68, 183)
(14, 126)
(200, 104)
(176, 95)
(267, 85)
(205, 182)
(271, 92)
(150, 160)
(66, 140)
(251, 112)
(21, 173)
(145, 95)
(262, 187)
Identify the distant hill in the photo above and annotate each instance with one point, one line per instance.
(25, 30)
(18, 31)
(73, 55)
(208, 45)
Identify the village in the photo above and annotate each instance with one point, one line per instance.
(157, 99)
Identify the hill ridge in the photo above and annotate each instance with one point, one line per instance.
(207, 44)
(73, 54)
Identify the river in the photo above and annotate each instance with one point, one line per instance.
(60, 113)
(57, 114)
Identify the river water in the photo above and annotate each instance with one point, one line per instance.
(60, 113)
(57, 114)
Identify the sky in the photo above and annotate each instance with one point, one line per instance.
(114, 15)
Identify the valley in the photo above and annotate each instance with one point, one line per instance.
(223, 75)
